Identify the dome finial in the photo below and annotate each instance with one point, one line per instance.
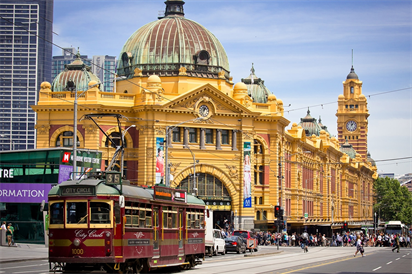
(174, 7)
(78, 53)
(320, 121)
(308, 113)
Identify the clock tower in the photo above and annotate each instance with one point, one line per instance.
(353, 115)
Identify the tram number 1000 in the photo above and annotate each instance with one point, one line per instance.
(77, 251)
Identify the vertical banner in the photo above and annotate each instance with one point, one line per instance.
(247, 176)
(160, 161)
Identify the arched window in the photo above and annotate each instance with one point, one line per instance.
(265, 214)
(208, 187)
(65, 139)
(117, 138)
(258, 215)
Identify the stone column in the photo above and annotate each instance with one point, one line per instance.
(219, 139)
(169, 131)
(234, 140)
(186, 137)
(202, 138)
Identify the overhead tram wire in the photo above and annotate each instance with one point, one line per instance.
(278, 112)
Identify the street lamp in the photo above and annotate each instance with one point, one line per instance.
(73, 88)
(168, 130)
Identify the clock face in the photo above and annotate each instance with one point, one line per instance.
(351, 125)
(204, 110)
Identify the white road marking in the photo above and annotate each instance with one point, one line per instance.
(403, 255)
(389, 262)
(23, 266)
(377, 268)
(398, 258)
(26, 272)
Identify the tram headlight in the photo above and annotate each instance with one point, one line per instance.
(51, 235)
(107, 234)
(76, 242)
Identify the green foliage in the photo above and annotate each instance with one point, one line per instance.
(393, 202)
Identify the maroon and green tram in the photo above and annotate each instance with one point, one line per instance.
(123, 228)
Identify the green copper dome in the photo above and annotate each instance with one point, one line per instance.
(256, 88)
(75, 77)
(163, 46)
(348, 149)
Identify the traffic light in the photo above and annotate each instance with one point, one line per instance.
(277, 211)
(281, 213)
(345, 226)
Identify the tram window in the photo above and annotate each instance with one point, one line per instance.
(56, 213)
(148, 218)
(142, 218)
(100, 213)
(188, 220)
(128, 214)
(192, 220)
(76, 212)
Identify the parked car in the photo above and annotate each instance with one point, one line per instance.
(235, 244)
(246, 234)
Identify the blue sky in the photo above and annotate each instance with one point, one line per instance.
(301, 48)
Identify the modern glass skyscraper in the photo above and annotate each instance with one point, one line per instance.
(25, 62)
(104, 66)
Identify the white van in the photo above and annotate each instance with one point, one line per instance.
(214, 241)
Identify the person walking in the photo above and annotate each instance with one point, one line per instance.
(359, 245)
(9, 234)
(3, 226)
(396, 243)
(305, 239)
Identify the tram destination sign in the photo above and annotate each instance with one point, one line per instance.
(77, 190)
(169, 194)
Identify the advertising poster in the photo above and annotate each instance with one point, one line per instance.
(247, 176)
(160, 161)
(24, 193)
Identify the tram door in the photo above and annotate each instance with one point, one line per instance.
(119, 230)
(156, 230)
(182, 234)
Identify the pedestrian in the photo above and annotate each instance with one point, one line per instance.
(3, 226)
(396, 243)
(294, 239)
(359, 245)
(9, 234)
(324, 240)
(305, 239)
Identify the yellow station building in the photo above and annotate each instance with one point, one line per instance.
(175, 89)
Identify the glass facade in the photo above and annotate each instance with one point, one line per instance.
(26, 179)
(25, 62)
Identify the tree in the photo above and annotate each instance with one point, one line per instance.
(393, 201)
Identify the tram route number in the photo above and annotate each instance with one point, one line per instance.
(77, 251)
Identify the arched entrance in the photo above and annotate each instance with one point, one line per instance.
(214, 193)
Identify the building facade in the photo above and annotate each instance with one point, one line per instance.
(228, 143)
(25, 62)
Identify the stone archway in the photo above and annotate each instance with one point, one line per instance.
(208, 172)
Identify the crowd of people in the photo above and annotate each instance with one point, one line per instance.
(349, 239)
(9, 233)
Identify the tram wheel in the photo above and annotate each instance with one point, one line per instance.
(130, 269)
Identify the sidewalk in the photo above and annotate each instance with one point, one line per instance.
(23, 252)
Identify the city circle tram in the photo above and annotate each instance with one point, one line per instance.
(95, 224)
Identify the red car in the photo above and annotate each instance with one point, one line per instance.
(246, 234)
